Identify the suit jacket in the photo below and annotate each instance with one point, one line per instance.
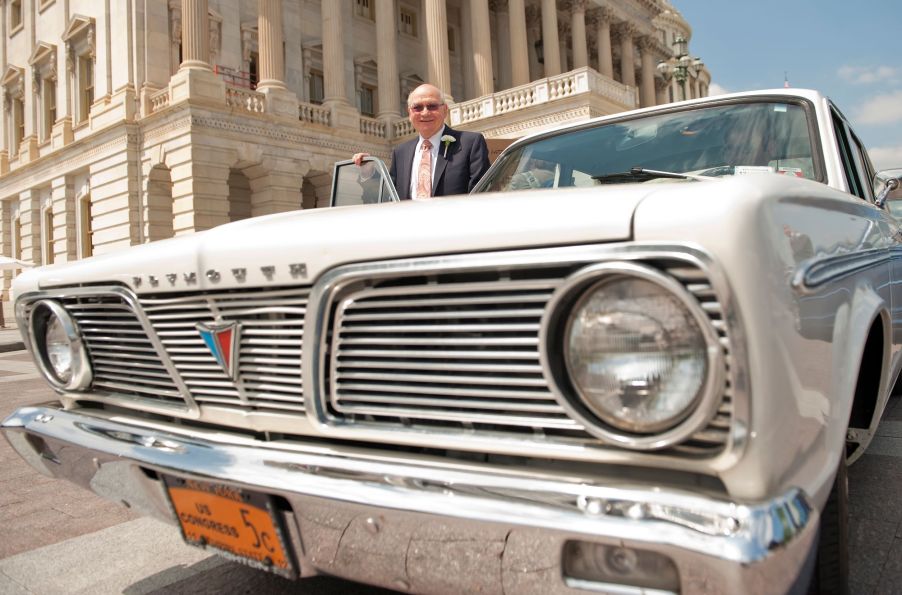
(466, 162)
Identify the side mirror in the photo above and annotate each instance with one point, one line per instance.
(368, 183)
(888, 187)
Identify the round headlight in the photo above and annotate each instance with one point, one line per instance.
(632, 355)
(58, 348)
(635, 355)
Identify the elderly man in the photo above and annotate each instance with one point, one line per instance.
(441, 160)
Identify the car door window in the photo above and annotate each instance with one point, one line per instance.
(864, 166)
(848, 161)
(368, 183)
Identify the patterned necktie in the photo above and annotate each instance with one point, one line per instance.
(424, 173)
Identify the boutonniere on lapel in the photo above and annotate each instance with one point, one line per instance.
(447, 139)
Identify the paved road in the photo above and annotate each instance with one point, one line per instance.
(57, 538)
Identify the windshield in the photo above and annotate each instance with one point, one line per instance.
(734, 139)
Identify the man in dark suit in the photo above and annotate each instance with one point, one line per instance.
(440, 161)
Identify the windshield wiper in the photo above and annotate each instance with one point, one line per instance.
(639, 174)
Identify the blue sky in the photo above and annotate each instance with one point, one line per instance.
(850, 51)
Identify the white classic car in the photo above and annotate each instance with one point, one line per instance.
(649, 380)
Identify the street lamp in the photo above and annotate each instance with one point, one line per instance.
(682, 65)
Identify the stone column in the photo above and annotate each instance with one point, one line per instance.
(195, 78)
(269, 35)
(195, 44)
(387, 60)
(661, 87)
(578, 32)
(605, 54)
(439, 71)
(344, 114)
(482, 47)
(519, 49)
(279, 100)
(502, 44)
(62, 195)
(277, 186)
(533, 35)
(550, 40)
(627, 58)
(30, 220)
(563, 32)
(647, 91)
(334, 91)
(466, 47)
(200, 188)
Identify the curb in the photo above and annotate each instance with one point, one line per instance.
(16, 346)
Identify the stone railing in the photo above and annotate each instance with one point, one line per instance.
(569, 84)
(372, 127)
(159, 100)
(245, 99)
(314, 114)
(403, 128)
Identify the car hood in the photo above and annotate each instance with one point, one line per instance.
(289, 248)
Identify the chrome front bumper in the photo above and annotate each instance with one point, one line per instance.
(425, 525)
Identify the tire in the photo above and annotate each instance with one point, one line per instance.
(831, 569)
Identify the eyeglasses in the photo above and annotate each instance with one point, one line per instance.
(419, 107)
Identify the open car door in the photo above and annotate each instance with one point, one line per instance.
(368, 183)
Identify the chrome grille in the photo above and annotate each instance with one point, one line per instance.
(461, 352)
(467, 352)
(272, 329)
(123, 357)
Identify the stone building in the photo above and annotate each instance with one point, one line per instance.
(130, 121)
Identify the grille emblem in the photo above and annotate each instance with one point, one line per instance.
(222, 341)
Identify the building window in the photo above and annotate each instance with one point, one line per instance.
(47, 226)
(316, 87)
(368, 100)
(408, 23)
(85, 231)
(85, 86)
(452, 45)
(48, 98)
(15, 16)
(365, 9)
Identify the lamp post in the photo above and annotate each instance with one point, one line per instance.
(682, 65)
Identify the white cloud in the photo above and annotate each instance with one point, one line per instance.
(865, 75)
(715, 89)
(886, 157)
(881, 109)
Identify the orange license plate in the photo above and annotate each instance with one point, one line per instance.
(235, 522)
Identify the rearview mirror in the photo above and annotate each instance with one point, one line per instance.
(888, 187)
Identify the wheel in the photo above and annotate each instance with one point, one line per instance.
(831, 568)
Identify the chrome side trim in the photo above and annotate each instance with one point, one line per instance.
(812, 274)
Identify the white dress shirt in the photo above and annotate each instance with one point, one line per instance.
(436, 140)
